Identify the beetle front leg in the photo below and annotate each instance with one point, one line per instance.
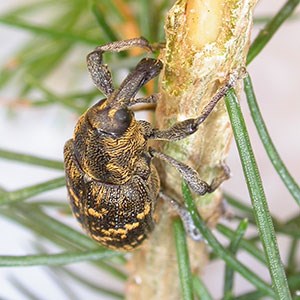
(191, 176)
(144, 100)
(146, 103)
(99, 72)
(125, 45)
(187, 127)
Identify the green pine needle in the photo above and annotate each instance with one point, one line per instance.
(257, 195)
(278, 164)
(55, 259)
(183, 260)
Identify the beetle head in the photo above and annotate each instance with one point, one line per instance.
(111, 116)
(109, 120)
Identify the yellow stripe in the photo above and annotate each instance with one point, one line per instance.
(75, 199)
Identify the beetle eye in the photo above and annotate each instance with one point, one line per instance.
(122, 116)
(121, 121)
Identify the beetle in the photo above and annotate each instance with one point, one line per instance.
(112, 183)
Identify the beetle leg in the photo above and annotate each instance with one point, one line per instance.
(99, 72)
(146, 103)
(145, 100)
(125, 45)
(191, 176)
(187, 127)
(185, 216)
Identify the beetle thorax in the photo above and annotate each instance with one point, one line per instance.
(108, 158)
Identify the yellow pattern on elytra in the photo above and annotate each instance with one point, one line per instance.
(101, 238)
(75, 199)
(132, 226)
(140, 237)
(112, 231)
(127, 247)
(146, 211)
(97, 214)
(133, 243)
(122, 231)
(79, 124)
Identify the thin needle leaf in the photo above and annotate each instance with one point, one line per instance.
(30, 216)
(31, 159)
(39, 217)
(245, 244)
(233, 248)
(105, 27)
(48, 32)
(145, 18)
(26, 292)
(54, 259)
(271, 27)
(91, 285)
(219, 249)
(292, 257)
(257, 195)
(200, 289)
(278, 164)
(30, 191)
(185, 274)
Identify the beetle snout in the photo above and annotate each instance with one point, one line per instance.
(150, 67)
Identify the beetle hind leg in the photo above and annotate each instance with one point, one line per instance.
(185, 216)
(191, 176)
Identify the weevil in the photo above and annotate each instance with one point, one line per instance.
(112, 183)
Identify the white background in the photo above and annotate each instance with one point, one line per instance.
(275, 75)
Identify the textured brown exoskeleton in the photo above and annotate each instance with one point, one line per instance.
(112, 184)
